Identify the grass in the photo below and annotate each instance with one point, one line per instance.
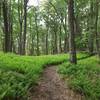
(19, 73)
(84, 77)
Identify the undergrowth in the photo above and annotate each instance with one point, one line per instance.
(83, 77)
(19, 73)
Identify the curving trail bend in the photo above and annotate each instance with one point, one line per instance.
(52, 87)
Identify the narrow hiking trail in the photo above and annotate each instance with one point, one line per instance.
(52, 87)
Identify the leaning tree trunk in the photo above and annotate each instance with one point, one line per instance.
(73, 58)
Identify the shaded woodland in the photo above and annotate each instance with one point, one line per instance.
(35, 37)
(52, 27)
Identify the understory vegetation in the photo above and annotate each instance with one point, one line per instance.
(83, 77)
(19, 73)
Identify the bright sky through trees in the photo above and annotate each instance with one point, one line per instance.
(35, 2)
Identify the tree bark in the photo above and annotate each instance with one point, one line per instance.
(25, 25)
(91, 35)
(47, 41)
(6, 27)
(60, 39)
(37, 33)
(96, 27)
(20, 14)
(72, 47)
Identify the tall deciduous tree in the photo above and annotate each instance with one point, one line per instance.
(73, 58)
(25, 25)
(20, 18)
(96, 27)
(6, 26)
(91, 28)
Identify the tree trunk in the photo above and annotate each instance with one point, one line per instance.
(55, 42)
(6, 27)
(25, 26)
(20, 39)
(66, 45)
(47, 41)
(60, 40)
(37, 33)
(72, 47)
(11, 26)
(96, 27)
(91, 35)
(20, 15)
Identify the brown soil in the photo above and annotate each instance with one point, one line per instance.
(52, 87)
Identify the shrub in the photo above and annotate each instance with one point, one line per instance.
(84, 77)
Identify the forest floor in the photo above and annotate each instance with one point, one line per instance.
(52, 87)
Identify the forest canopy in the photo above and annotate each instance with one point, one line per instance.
(42, 27)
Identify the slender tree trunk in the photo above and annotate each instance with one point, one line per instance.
(37, 32)
(32, 38)
(0, 8)
(73, 58)
(52, 43)
(55, 43)
(20, 39)
(66, 45)
(47, 41)
(20, 15)
(6, 27)
(96, 27)
(91, 35)
(25, 25)
(11, 26)
(60, 40)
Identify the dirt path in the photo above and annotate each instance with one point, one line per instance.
(51, 87)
